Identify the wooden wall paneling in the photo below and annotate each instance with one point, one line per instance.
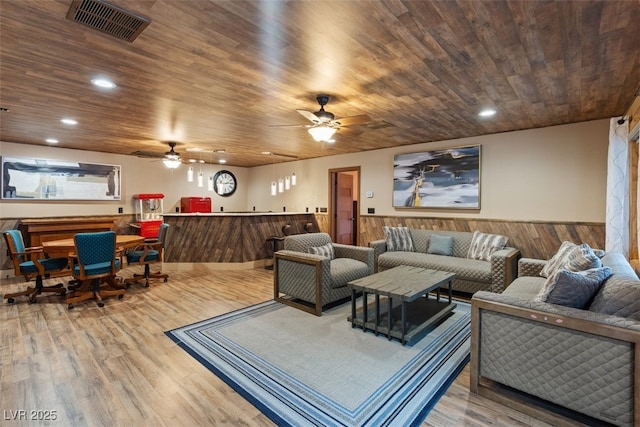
(410, 47)
(535, 239)
(634, 113)
(204, 239)
(256, 230)
(322, 223)
(633, 200)
(227, 238)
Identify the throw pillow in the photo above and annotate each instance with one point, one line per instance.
(483, 245)
(398, 239)
(571, 257)
(558, 259)
(573, 288)
(583, 258)
(440, 245)
(324, 250)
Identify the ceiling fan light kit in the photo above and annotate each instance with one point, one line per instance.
(171, 163)
(322, 133)
(171, 158)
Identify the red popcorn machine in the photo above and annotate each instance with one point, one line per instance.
(149, 209)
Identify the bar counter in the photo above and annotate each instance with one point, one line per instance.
(229, 237)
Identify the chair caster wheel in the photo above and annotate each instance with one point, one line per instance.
(32, 300)
(120, 296)
(166, 279)
(11, 300)
(100, 304)
(70, 306)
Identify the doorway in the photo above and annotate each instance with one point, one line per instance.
(344, 211)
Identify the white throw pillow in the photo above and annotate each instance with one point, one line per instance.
(398, 239)
(484, 245)
(571, 257)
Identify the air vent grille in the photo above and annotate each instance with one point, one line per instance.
(108, 18)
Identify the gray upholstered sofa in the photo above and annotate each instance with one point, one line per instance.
(471, 274)
(309, 281)
(584, 360)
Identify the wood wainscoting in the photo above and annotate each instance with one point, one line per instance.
(535, 239)
(228, 238)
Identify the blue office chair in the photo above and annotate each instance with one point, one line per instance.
(31, 262)
(96, 263)
(149, 253)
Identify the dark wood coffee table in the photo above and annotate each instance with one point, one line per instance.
(410, 286)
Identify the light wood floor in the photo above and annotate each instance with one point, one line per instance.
(114, 366)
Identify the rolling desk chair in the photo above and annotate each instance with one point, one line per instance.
(31, 262)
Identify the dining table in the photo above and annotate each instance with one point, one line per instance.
(63, 247)
(82, 290)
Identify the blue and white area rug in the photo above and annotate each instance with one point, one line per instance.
(304, 370)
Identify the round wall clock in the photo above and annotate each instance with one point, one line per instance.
(224, 183)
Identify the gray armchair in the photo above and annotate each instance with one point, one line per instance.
(310, 281)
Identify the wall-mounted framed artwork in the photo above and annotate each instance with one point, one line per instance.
(447, 178)
(42, 179)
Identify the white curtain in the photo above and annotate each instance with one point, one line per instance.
(617, 225)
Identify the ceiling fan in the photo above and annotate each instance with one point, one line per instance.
(325, 125)
(172, 158)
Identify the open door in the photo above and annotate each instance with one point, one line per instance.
(344, 214)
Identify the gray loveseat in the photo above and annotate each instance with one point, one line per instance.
(584, 360)
(471, 274)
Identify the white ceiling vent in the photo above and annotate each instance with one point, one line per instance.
(108, 18)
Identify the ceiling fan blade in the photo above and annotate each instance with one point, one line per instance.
(346, 131)
(290, 126)
(309, 116)
(353, 120)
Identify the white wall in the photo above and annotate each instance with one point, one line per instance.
(550, 174)
(138, 176)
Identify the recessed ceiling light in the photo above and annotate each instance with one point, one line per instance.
(222, 161)
(103, 83)
(51, 140)
(487, 113)
(69, 121)
(267, 153)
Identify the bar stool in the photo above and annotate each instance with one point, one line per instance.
(275, 247)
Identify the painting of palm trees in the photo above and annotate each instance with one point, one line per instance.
(448, 178)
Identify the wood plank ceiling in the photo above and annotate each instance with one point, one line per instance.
(217, 75)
